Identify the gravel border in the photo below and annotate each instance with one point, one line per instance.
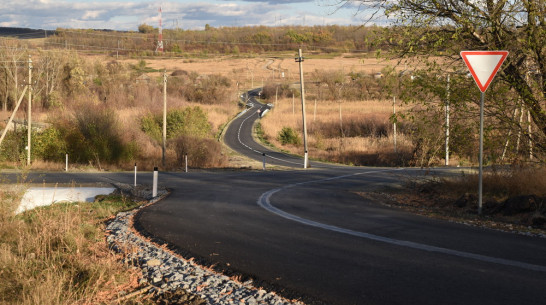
(169, 274)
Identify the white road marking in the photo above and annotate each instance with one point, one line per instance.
(264, 202)
(259, 152)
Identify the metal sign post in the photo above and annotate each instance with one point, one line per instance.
(483, 66)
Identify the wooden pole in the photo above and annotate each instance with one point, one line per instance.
(29, 127)
(164, 146)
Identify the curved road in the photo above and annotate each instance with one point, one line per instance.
(307, 234)
(239, 137)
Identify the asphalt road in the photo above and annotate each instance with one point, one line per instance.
(305, 233)
(322, 242)
(239, 137)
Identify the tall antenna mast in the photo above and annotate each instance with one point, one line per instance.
(160, 38)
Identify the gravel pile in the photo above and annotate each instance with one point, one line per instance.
(178, 280)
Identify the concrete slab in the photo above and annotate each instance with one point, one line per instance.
(42, 196)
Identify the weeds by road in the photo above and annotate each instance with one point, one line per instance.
(514, 199)
(58, 254)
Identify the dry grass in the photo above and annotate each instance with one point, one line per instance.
(363, 135)
(58, 255)
(500, 183)
(251, 72)
(135, 101)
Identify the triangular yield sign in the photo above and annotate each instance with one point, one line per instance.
(483, 65)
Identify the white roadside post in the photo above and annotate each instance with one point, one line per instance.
(154, 187)
(483, 66)
(135, 173)
(66, 163)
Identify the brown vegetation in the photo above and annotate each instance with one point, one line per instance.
(57, 254)
(349, 132)
(94, 109)
(514, 198)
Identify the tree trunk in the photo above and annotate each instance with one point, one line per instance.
(529, 99)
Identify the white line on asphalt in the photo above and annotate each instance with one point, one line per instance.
(259, 152)
(264, 202)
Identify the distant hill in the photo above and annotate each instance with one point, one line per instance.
(25, 33)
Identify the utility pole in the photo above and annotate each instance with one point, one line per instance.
(394, 123)
(29, 127)
(164, 116)
(299, 59)
(447, 122)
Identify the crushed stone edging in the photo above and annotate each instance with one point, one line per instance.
(166, 271)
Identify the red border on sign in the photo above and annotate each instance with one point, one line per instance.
(483, 87)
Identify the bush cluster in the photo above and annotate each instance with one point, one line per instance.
(289, 136)
(91, 136)
(190, 121)
(202, 152)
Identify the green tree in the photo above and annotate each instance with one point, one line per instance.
(145, 29)
(289, 136)
(191, 121)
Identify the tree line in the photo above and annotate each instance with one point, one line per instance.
(227, 40)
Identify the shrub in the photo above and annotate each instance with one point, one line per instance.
(288, 136)
(213, 89)
(201, 152)
(49, 145)
(13, 147)
(187, 122)
(93, 135)
(281, 90)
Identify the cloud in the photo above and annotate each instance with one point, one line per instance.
(127, 15)
(275, 2)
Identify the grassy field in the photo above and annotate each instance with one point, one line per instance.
(58, 254)
(119, 93)
(350, 132)
(252, 72)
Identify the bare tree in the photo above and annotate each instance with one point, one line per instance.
(49, 68)
(11, 56)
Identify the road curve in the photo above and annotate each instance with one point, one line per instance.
(307, 234)
(239, 137)
(331, 246)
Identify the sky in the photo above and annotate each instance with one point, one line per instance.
(128, 14)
